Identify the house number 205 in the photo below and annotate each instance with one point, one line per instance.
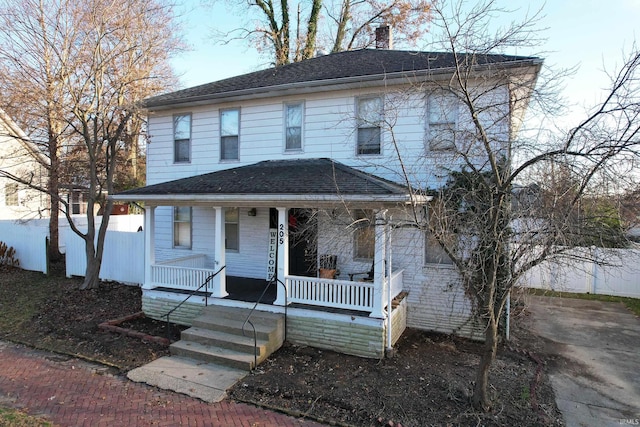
(281, 234)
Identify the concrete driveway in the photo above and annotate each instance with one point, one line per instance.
(597, 378)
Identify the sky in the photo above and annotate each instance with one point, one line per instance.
(588, 34)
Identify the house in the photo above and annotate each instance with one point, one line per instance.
(310, 176)
(18, 158)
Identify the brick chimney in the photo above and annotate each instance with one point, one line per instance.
(384, 37)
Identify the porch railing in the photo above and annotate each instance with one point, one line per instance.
(343, 294)
(186, 273)
(330, 293)
(396, 285)
(193, 261)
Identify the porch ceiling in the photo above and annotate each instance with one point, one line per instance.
(303, 183)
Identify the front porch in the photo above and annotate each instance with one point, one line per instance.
(211, 231)
(325, 313)
(189, 275)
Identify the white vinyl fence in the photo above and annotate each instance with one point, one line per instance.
(617, 273)
(30, 242)
(122, 260)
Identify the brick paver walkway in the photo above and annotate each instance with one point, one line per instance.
(71, 392)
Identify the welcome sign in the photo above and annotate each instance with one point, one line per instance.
(273, 248)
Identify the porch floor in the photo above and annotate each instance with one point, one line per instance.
(249, 290)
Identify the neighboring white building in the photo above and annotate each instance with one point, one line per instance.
(234, 167)
(18, 158)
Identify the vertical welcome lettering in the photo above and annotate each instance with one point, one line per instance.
(273, 247)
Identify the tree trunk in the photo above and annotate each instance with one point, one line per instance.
(481, 399)
(54, 237)
(94, 262)
(92, 274)
(312, 30)
(345, 16)
(54, 201)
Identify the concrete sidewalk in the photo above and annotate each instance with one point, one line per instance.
(206, 381)
(71, 392)
(597, 382)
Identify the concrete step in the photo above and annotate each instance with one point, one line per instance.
(223, 356)
(240, 314)
(264, 330)
(235, 342)
(216, 336)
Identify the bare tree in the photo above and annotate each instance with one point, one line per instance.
(476, 132)
(79, 72)
(334, 25)
(31, 91)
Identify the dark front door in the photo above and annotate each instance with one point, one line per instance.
(303, 231)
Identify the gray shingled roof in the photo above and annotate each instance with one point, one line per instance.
(339, 67)
(276, 177)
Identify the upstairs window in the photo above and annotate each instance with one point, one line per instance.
(369, 114)
(232, 229)
(182, 138)
(11, 194)
(182, 227)
(442, 116)
(364, 236)
(293, 115)
(76, 202)
(229, 131)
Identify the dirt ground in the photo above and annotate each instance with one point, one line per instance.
(427, 383)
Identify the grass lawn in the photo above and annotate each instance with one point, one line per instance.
(14, 418)
(632, 303)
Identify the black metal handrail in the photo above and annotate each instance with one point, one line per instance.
(253, 309)
(192, 293)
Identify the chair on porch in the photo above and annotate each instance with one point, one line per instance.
(328, 267)
(368, 274)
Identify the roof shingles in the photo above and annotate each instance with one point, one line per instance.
(332, 68)
(270, 177)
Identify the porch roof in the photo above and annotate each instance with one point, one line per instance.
(305, 182)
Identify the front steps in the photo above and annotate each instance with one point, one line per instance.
(216, 336)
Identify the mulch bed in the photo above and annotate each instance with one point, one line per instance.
(428, 382)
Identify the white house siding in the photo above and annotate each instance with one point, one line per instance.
(251, 259)
(17, 160)
(329, 131)
(202, 227)
(436, 300)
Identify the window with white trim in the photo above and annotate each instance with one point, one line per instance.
(11, 194)
(182, 227)
(229, 134)
(369, 116)
(442, 117)
(364, 234)
(232, 229)
(182, 138)
(293, 120)
(434, 252)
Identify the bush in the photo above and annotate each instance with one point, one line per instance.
(7, 256)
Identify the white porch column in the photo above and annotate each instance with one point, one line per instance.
(379, 277)
(220, 281)
(149, 244)
(283, 254)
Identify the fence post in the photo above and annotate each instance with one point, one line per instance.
(594, 270)
(47, 261)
